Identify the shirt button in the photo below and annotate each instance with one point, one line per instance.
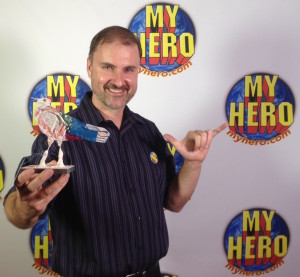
(138, 218)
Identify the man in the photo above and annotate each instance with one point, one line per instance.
(107, 217)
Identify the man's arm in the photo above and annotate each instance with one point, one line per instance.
(24, 206)
(15, 214)
(194, 149)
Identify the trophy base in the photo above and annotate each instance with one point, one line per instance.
(57, 169)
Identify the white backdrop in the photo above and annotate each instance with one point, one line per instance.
(234, 38)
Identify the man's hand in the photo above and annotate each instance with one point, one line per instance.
(24, 206)
(194, 148)
(195, 145)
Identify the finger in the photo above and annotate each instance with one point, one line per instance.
(40, 179)
(198, 132)
(24, 177)
(50, 191)
(203, 139)
(173, 141)
(52, 163)
(170, 138)
(61, 183)
(197, 139)
(220, 129)
(209, 138)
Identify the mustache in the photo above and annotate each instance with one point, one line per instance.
(113, 86)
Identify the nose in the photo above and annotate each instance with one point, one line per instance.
(118, 78)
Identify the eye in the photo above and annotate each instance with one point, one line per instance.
(106, 67)
(129, 69)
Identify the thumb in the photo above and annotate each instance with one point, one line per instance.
(171, 139)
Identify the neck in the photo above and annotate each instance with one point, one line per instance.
(115, 115)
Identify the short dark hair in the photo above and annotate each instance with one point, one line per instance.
(111, 34)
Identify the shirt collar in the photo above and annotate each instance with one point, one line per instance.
(91, 115)
(88, 111)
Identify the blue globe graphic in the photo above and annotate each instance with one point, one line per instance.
(178, 161)
(237, 95)
(183, 25)
(40, 91)
(235, 227)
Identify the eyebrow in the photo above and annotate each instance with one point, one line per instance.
(131, 67)
(112, 65)
(106, 64)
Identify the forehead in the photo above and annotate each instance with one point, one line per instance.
(117, 50)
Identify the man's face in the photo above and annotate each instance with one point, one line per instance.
(113, 72)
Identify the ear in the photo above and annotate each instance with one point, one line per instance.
(88, 67)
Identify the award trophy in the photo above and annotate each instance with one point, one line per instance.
(57, 126)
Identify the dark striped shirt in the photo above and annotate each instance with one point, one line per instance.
(109, 219)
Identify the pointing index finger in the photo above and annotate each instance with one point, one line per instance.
(219, 129)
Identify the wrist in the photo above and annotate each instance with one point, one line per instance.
(24, 215)
(193, 165)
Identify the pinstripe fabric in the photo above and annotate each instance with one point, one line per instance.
(109, 219)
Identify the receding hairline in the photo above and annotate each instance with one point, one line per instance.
(114, 34)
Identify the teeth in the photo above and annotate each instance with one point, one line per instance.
(116, 90)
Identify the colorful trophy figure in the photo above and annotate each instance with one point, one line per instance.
(60, 127)
(52, 124)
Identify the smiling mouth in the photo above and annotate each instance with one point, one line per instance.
(115, 89)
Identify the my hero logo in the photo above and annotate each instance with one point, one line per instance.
(177, 157)
(261, 116)
(256, 240)
(259, 247)
(58, 91)
(65, 87)
(172, 149)
(160, 39)
(164, 46)
(65, 92)
(266, 109)
(1, 180)
(1, 176)
(42, 246)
